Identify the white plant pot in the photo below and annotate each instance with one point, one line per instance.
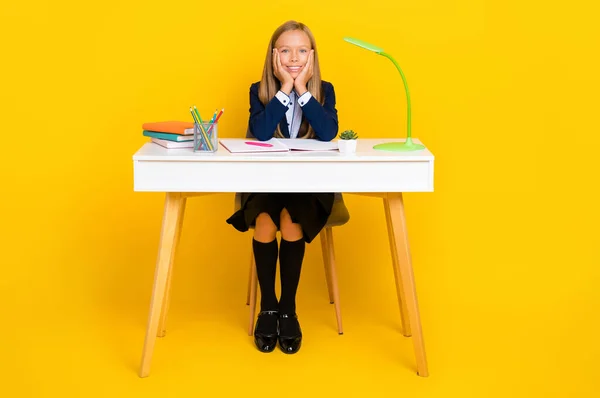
(347, 146)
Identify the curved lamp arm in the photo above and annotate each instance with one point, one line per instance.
(408, 117)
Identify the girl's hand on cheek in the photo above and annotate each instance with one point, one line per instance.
(307, 71)
(286, 80)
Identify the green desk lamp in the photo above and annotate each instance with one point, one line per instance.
(392, 146)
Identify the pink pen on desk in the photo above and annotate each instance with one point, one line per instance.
(263, 144)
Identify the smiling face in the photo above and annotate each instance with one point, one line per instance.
(293, 47)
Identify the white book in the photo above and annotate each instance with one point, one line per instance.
(245, 145)
(173, 144)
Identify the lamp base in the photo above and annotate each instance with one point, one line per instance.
(399, 146)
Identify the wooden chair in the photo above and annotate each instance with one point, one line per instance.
(339, 216)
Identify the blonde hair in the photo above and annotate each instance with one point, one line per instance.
(269, 84)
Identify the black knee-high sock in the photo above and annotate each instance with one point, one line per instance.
(265, 256)
(291, 255)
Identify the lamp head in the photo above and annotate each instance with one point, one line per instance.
(364, 45)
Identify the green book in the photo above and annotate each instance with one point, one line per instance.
(168, 137)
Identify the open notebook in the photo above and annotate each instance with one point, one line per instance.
(244, 145)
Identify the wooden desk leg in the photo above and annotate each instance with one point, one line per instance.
(249, 280)
(395, 205)
(162, 326)
(399, 289)
(172, 213)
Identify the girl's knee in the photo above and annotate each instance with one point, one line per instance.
(265, 229)
(290, 231)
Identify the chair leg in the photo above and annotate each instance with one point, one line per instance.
(395, 205)
(249, 278)
(170, 223)
(399, 290)
(325, 251)
(334, 280)
(253, 288)
(162, 327)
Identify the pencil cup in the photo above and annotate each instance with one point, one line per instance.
(205, 137)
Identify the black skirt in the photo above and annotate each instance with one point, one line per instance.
(310, 210)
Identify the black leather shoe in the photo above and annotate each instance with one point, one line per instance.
(290, 334)
(265, 331)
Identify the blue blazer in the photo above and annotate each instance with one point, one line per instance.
(264, 119)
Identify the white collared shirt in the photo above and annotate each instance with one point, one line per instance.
(294, 111)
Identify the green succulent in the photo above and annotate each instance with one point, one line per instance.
(348, 135)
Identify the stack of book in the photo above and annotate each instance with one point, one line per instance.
(170, 134)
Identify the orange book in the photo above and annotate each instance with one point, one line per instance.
(172, 126)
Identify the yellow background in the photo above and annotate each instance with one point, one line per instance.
(505, 250)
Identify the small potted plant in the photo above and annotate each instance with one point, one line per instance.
(347, 142)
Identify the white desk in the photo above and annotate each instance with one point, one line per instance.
(181, 173)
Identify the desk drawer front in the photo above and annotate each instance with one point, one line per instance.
(155, 176)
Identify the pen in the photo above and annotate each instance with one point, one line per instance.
(202, 136)
(201, 140)
(216, 120)
(206, 136)
(258, 144)
(219, 115)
